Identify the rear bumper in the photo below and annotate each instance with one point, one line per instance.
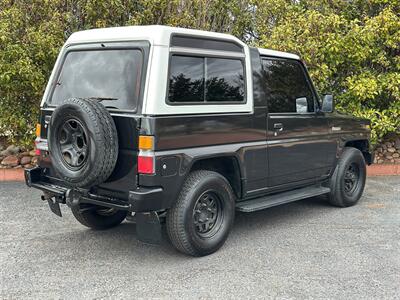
(143, 199)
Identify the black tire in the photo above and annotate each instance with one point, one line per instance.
(196, 230)
(83, 142)
(98, 217)
(348, 180)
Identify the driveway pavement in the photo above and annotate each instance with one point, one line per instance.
(306, 249)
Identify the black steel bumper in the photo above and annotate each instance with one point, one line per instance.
(142, 199)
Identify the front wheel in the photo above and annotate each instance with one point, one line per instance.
(200, 221)
(348, 181)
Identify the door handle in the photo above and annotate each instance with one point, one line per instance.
(278, 126)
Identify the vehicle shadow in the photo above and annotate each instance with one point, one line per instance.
(122, 239)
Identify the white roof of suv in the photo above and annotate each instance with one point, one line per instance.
(157, 35)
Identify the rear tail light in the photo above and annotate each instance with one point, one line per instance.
(40, 144)
(146, 164)
(146, 157)
(38, 128)
(146, 142)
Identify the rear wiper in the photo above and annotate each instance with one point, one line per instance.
(103, 98)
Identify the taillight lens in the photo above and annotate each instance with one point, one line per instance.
(146, 157)
(146, 142)
(38, 128)
(146, 164)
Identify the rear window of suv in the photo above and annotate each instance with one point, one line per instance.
(113, 75)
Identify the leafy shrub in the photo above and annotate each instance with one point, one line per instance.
(352, 48)
(357, 59)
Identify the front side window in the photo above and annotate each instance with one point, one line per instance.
(113, 75)
(205, 79)
(287, 88)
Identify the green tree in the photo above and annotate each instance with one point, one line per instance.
(356, 59)
(32, 32)
(350, 47)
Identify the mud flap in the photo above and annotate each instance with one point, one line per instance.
(54, 206)
(148, 227)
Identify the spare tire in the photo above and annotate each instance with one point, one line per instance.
(83, 142)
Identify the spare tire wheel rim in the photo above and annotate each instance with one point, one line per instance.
(73, 144)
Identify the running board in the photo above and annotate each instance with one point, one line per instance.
(281, 198)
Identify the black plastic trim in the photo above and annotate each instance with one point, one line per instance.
(209, 43)
(142, 199)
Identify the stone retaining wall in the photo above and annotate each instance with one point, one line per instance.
(13, 157)
(388, 152)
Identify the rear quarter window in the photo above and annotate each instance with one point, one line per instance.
(202, 80)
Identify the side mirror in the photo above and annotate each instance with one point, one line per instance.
(328, 105)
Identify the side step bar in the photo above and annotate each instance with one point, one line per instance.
(281, 198)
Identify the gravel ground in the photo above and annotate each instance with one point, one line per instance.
(302, 250)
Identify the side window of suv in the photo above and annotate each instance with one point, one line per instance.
(194, 79)
(287, 87)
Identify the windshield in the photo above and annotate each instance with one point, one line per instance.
(112, 75)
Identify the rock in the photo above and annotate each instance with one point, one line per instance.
(32, 152)
(28, 166)
(391, 149)
(388, 155)
(388, 144)
(12, 149)
(25, 153)
(397, 143)
(380, 161)
(34, 160)
(395, 155)
(397, 160)
(379, 149)
(10, 161)
(18, 167)
(383, 147)
(25, 160)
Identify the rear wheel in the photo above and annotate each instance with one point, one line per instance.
(98, 217)
(201, 219)
(348, 181)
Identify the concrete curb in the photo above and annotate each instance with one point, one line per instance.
(12, 175)
(373, 170)
(383, 170)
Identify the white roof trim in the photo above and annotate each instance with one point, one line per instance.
(278, 53)
(157, 34)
